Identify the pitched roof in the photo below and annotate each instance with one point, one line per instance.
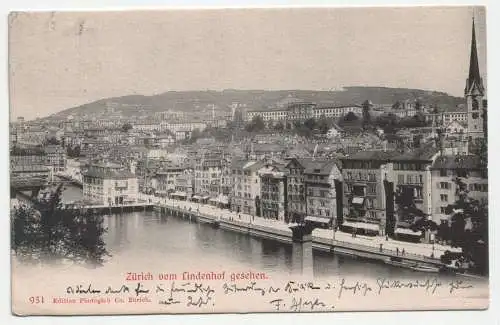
(320, 167)
(457, 162)
(109, 174)
(425, 153)
(372, 155)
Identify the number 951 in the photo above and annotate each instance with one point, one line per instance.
(36, 300)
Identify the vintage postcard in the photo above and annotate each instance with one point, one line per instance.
(248, 160)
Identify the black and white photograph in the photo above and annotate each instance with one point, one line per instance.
(253, 160)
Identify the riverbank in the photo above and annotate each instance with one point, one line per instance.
(379, 248)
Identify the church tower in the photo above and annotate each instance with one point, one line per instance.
(474, 93)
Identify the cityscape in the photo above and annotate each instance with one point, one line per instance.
(402, 182)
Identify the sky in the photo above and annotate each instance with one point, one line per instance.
(59, 60)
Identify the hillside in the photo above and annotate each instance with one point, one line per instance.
(197, 101)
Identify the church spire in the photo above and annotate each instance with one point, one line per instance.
(474, 79)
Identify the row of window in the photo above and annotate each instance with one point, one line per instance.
(411, 179)
(370, 177)
(319, 212)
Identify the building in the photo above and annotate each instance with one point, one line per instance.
(56, 158)
(166, 179)
(444, 171)
(245, 196)
(28, 165)
(474, 94)
(336, 111)
(411, 174)
(320, 179)
(273, 191)
(184, 184)
(109, 184)
(455, 128)
(365, 175)
(296, 195)
(208, 171)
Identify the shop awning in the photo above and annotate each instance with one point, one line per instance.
(214, 200)
(406, 231)
(361, 225)
(180, 194)
(358, 200)
(317, 219)
(196, 197)
(205, 197)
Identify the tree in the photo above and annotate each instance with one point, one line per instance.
(388, 122)
(469, 226)
(406, 207)
(48, 230)
(53, 141)
(324, 124)
(279, 126)
(257, 124)
(350, 117)
(73, 152)
(396, 105)
(366, 114)
(418, 105)
(310, 124)
(126, 127)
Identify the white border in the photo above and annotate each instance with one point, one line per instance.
(386, 318)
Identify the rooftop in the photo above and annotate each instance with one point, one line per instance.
(379, 155)
(457, 162)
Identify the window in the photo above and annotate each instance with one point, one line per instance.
(444, 197)
(409, 179)
(401, 179)
(443, 172)
(444, 185)
(442, 210)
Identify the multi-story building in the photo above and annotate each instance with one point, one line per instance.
(184, 184)
(56, 158)
(411, 173)
(27, 165)
(273, 196)
(296, 195)
(109, 184)
(208, 171)
(336, 111)
(365, 197)
(320, 179)
(245, 196)
(445, 170)
(303, 111)
(166, 178)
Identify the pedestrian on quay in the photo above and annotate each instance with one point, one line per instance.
(380, 247)
(386, 237)
(397, 251)
(403, 252)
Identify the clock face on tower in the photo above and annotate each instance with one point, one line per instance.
(475, 105)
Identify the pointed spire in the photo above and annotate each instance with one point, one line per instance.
(474, 75)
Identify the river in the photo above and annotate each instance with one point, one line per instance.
(154, 239)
